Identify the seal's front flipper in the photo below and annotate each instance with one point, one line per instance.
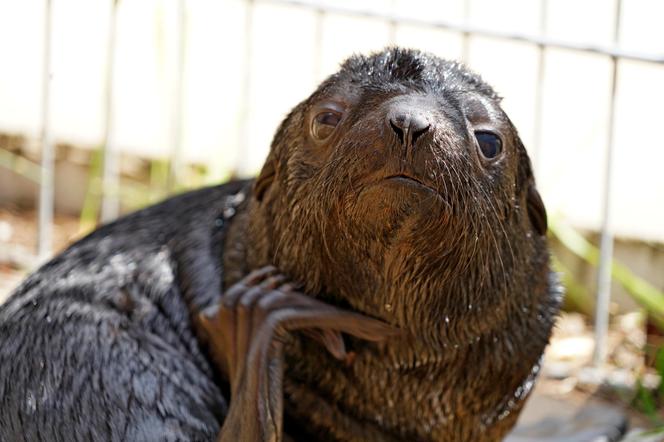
(246, 334)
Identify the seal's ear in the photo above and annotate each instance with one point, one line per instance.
(536, 210)
(526, 178)
(265, 178)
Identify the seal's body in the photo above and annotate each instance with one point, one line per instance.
(99, 344)
(399, 190)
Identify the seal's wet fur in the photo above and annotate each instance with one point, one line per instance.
(99, 343)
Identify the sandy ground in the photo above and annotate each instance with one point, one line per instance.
(9, 278)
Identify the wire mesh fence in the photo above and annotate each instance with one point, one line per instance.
(541, 41)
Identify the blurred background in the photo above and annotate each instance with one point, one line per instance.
(108, 106)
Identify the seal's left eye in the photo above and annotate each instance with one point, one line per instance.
(324, 123)
(489, 144)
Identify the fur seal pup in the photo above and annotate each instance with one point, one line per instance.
(398, 196)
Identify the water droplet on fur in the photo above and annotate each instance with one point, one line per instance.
(43, 393)
(229, 212)
(30, 403)
(42, 364)
(34, 303)
(48, 319)
(447, 319)
(388, 307)
(470, 306)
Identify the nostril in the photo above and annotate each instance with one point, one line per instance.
(397, 130)
(408, 125)
(418, 131)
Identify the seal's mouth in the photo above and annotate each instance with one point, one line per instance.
(411, 180)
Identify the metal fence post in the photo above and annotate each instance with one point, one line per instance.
(46, 181)
(465, 39)
(539, 92)
(393, 24)
(175, 167)
(606, 244)
(110, 204)
(318, 44)
(241, 164)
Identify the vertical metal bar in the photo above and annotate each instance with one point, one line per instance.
(465, 41)
(392, 30)
(175, 169)
(606, 243)
(242, 162)
(110, 204)
(318, 45)
(46, 182)
(539, 91)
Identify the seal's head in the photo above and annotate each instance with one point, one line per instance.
(401, 189)
(402, 174)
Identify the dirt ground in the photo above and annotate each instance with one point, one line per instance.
(18, 243)
(568, 384)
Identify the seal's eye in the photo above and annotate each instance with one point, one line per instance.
(489, 144)
(324, 123)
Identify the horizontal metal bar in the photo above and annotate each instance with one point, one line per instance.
(611, 51)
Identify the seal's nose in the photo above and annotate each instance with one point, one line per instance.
(407, 123)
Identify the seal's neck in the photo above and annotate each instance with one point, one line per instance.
(246, 247)
(376, 398)
(409, 387)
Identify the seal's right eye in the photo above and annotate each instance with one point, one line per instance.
(324, 124)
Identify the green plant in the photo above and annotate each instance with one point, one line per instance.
(577, 295)
(91, 204)
(19, 165)
(641, 291)
(651, 401)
